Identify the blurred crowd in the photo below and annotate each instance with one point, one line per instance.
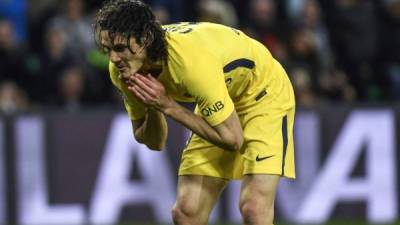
(345, 51)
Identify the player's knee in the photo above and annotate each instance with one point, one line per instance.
(248, 211)
(183, 212)
(176, 214)
(253, 213)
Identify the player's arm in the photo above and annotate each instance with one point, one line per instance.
(149, 126)
(152, 130)
(227, 134)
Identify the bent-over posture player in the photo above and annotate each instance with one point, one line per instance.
(242, 127)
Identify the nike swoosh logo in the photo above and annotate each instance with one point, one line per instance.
(258, 158)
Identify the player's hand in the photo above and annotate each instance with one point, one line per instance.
(150, 91)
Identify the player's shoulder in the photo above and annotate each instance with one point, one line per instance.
(188, 27)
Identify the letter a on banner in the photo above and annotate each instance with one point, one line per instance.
(376, 130)
(114, 189)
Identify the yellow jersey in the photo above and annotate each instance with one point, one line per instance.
(217, 67)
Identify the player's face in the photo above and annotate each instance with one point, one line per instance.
(128, 62)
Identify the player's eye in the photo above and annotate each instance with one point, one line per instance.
(119, 47)
(105, 50)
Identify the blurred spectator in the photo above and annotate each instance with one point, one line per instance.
(294, 8)
(56, 49)
(54, 58)
(39, 12)
(304, 54)
(309, 18)
(217, 11)
(78, 30)
(7, 35)
(354, 36)
(262, 24)
(13, 58)
(15, 11)
(162, 14)
(71, 88)
(302, 85)
(263, 14)
(390, 47)
(12, 98)
(167, 11)
(334, 87)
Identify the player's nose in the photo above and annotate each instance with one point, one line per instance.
(114, 57)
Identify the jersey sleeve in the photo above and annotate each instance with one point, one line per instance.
(203, 79)
(136, 110)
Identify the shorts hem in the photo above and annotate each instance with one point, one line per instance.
(189, 173)
(290, 176)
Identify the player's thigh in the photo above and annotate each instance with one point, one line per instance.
(269, 145)
(205, 159)
(198, 194)
(259, 190)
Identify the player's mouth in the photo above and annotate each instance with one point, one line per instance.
(123, 70)
(120, 67)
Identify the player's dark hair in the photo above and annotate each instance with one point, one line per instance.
(132, 18)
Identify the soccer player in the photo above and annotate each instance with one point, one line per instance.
(243, 122)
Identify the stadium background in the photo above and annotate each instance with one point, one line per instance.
(60, 114)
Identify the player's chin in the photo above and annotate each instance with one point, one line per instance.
(124, 75)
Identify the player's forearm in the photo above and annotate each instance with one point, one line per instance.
(200, 127)
(153, 131)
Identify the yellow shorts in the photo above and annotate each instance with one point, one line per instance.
(267, 149)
